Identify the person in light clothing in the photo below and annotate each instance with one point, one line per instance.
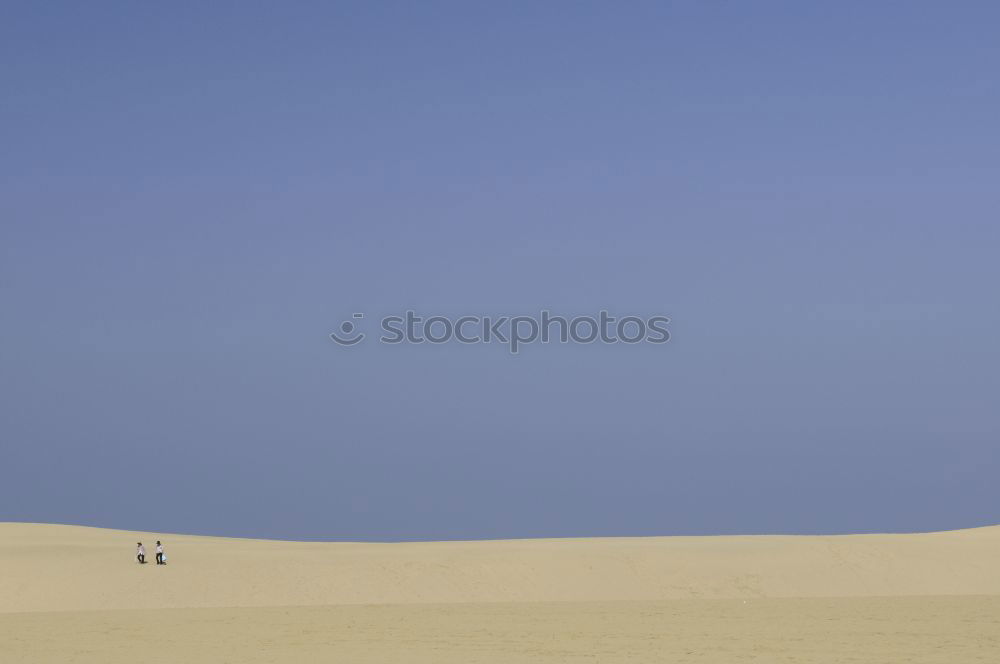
(160, 558)
(140, 553)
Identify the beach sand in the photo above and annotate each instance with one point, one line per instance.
(75, 594)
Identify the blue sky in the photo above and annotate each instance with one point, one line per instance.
(192, 198)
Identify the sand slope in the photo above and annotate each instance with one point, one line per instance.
(73, 594)
(64, 568)
(923, 630)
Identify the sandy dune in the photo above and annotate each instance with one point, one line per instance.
(66, 568)
(65, 592)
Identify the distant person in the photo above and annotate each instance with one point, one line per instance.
(160, 558)
(140, 553)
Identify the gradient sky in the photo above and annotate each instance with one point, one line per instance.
(193, 197)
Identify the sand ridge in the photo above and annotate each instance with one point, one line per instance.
(70, 568)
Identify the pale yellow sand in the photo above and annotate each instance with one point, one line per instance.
(70, 594)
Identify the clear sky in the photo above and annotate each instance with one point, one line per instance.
(194, 195)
